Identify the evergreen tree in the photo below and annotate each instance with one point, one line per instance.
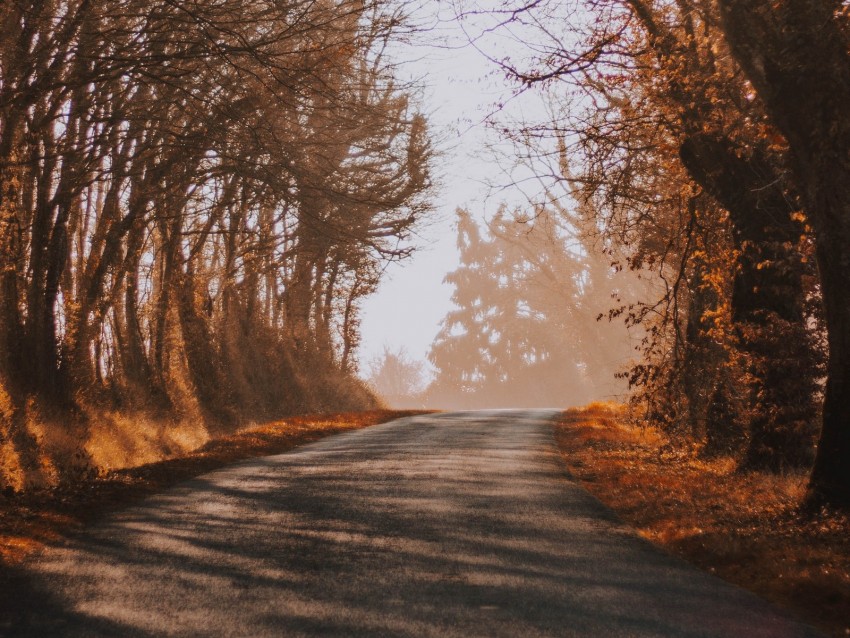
(524, 331)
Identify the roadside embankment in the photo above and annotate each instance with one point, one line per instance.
(744, 527)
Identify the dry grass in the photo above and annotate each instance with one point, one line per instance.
(743, 527)
(118, 440)
(32, 520)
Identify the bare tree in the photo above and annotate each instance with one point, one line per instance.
(194, 198)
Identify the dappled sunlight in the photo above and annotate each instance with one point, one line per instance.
(118, 439)
(19, 542)
(35, 518)
(440, 526)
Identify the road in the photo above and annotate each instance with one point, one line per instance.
(461, 524)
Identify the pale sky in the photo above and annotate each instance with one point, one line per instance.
(461, 89)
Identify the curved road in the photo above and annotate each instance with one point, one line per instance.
(458, 524)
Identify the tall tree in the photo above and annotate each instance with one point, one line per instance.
(194, 198)
(654, 95)
(523, 331)
(795, 53)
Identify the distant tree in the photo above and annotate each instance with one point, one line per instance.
(524, 329)
(396, 377)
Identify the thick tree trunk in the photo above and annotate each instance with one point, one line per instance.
(830, 480)
(170, 238)
(767, 299)
(695, 381)
(11, 328)
(135, 365)
(202, 357)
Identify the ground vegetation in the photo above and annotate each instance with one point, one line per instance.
(747, 529)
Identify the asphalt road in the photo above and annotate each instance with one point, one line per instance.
(458, 524)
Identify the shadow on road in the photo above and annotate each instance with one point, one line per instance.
(439, 526)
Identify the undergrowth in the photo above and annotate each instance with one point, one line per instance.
(744, 527)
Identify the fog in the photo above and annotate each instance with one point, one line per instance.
(537, 320)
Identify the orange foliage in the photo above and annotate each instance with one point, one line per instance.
(744, 527)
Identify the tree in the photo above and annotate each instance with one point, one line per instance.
(795, 53)
(658, 101)
(193, 202)
(396, 377)
(523, 331)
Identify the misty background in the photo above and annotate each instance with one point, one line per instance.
(483, 179)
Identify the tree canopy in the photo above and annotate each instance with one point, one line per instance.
(194, 198)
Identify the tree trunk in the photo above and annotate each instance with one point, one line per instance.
(11, 328)
(830, 479)
(202, 357)
(170, 240)
(135, 365)
(767, 299)
(795, 54)
(300, 294)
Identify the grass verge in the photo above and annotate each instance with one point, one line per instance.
(30, 521)
(743, 527)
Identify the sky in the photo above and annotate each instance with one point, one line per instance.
(461, 87)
